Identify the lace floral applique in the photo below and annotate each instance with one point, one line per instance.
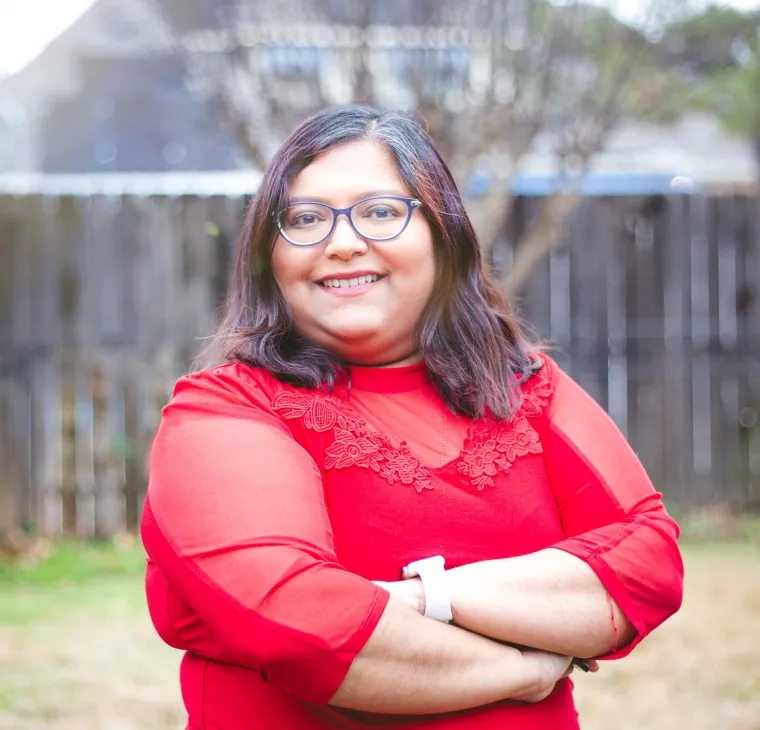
(320, 412)
(491, 447)
(536, 396)
(401, 465)
(355, 443)
(494, 447)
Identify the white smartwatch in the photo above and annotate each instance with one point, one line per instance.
(437, 597)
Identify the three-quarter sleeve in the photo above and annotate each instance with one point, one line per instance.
(612, 516)
(235, 520)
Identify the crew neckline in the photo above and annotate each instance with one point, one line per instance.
(388, 379)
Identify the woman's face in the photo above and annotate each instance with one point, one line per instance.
(372, 323)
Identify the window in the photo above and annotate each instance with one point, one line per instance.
(293, 61)
(443, 61)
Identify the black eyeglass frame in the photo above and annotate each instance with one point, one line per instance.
(411, 205)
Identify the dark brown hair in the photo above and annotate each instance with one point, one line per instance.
(471, 342)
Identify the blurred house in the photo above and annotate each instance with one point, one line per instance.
(109, 95)
(113, 93)
(692, 154)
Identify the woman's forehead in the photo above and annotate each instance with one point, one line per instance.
(349, 170)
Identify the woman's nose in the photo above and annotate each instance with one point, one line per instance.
(345, 242)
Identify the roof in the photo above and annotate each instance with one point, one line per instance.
(225, 183)
(239, 183)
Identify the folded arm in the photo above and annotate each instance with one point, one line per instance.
(616, 576)
(549, 599)
(236, 525)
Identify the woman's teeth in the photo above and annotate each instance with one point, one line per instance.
(344, 283)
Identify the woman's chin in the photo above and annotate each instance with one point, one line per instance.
(355, 333)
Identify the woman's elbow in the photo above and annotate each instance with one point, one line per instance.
(665, 591)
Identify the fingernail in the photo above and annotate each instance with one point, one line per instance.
(582, 664)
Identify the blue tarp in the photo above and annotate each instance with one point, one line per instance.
(592, 184)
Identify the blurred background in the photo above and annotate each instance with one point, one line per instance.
(609, 155)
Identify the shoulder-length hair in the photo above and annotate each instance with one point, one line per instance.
(469, 339)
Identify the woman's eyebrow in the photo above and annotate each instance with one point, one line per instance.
(363, 196)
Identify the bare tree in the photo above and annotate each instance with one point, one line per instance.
(493, 80)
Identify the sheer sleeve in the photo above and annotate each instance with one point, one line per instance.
(235, 520)
(612, 516)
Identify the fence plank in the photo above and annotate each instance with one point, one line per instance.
(727, 233)
(84, 412)
(676, 438)
(48, 392)
(646, 334)
(15, 456)
(68, 489)
(588, 277)
(109, 486)
(749, 348)
(654, 306)
(617, 335)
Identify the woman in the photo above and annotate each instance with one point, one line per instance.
(380, 406)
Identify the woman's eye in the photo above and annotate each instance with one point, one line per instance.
(381, 213)
(304, 220)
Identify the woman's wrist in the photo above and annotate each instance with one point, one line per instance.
(524, 676)
(409, 592)
(416, 595)
(462, 588)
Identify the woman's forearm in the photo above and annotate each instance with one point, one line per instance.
(413, 665)
(550, 600)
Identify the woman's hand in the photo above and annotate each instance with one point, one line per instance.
(410, 592)
(549, 669)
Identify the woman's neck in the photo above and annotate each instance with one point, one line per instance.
(411, 359)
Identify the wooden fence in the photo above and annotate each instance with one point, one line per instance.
(654, 306)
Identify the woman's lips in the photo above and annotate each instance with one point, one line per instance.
(350, 291)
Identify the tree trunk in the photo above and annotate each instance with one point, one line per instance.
(547, 235)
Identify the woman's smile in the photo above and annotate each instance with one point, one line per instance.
(357, 297)
(351, 284)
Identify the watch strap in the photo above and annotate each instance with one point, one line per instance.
(433, 575)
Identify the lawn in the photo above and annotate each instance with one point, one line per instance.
(78, 652)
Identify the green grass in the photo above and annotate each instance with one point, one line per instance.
(71, 575)
(77, 649)
(78, 652)
(712, 527)
(75, 563)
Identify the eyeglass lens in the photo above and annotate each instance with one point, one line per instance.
(377, 219)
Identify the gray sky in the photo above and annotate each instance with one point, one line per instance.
(633, 10)
(27, 26)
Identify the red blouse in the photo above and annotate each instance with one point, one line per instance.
(271, 508)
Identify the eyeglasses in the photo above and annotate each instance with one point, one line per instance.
(376, 219)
